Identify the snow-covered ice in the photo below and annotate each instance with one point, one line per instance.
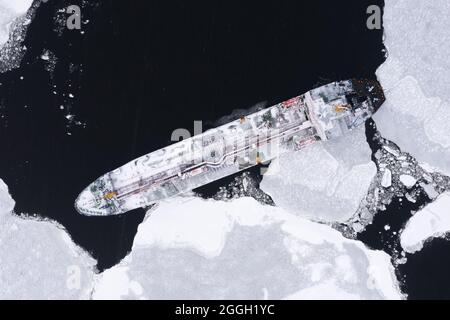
(325, 181)
(9, 11)
(15, 17)
(6, 202)
(38, 260)
(416, 80)
(407, 180)
(241, 249)
(430, 222)
(386, 180)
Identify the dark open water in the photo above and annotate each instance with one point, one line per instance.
(144, 68)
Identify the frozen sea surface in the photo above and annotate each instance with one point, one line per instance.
(325, 181)
(38, 260)
(242, 249)
(430, 222)
(416, 79)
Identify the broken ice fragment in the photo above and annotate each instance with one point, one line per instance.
(386, 180)
(431, 221)
(407, 180)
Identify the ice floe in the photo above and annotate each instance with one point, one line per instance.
(430, 222)
(325, 181)
(242, 249)
(416, 80)
(38, 260)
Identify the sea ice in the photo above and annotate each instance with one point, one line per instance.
(407, 180)
(386, 180)
(15, 17)
(38, 260)
(430, 222)
(325, 181)
(241, 249)
(416, 79)
(9, 11)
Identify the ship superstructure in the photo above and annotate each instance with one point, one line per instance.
(323, 113)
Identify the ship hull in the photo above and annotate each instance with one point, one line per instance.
(323, 113)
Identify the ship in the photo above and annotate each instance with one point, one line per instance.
(321, 114)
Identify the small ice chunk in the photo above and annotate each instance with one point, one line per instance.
(386, 180)
(391, 151)
(430, 222)
(430, 190)
(410, 198)
(407, 180)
